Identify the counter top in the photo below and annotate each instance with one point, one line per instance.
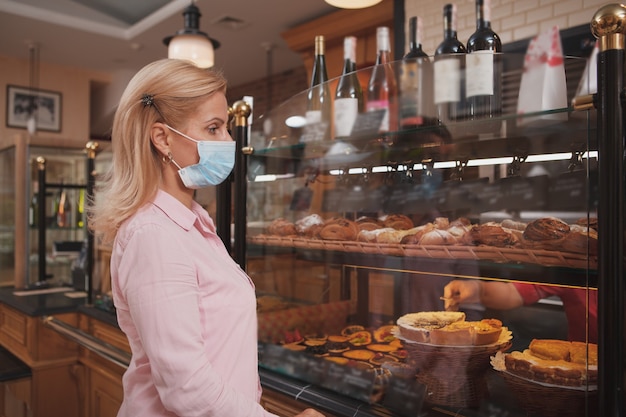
(40, 304)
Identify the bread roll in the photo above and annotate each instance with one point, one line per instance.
(580, 239)
(438, 237)
(397, 221)
(413, 236)
(370, 236)
(490, 234)
(282, 227)
(339, 229)
(309, 226)
(514, 225)
(369, 223)
(546, 228)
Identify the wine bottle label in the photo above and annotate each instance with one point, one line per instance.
(346, 112)
(479, 73)
(380, 105)
(447, 80)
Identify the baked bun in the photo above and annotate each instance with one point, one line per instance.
(384, 334)
(413, 236)
(309, 226)
(546, 228)
(339, 229)
(369, 223)
(371, 236)
(417, 326)
(490, 234)
(580, 239)
(591, 222)
(441, 223)
(390, 235)
(438, 237)
(514, 225)
(397, 221)
(282, 227)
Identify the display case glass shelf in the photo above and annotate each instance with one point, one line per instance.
(350, 234)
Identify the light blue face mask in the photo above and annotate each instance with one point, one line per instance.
(217, 159)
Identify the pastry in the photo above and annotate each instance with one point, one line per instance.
(371, 236)
(361, 338)
(490, 234)
(591, 222)
(309, 226)
(369, 223)
(555, 362)
(337, 359)
(282, 227)
(580, 239)
(380, 358)
(466, 333)
(546, 228)
(397, 221)
(359, 354)
(437, 237)
(380, 347)
(339, 229)
(390, 235)
(441, 223)
(417, 326)
(384, 334)
(352, 329)
(337, 344)
(514, 225)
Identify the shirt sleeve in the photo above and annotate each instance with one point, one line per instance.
(530, 293)
(159, 283)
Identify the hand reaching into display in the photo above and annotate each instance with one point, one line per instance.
(309, 412)
(491, 294)
(461, 292)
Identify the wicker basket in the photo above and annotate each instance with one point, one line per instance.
(549, 400)
(455, 376)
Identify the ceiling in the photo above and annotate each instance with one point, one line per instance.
(124, 35)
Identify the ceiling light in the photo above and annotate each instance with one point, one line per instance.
(190, 43)
(352, 4)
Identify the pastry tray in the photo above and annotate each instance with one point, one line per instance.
(487, 253)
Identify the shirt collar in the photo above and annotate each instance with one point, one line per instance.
(181, 215)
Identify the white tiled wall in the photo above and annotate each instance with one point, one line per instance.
(511, 19)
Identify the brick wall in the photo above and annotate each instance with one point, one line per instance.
(512, 20)
(281, 87)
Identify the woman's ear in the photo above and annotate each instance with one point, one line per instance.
(159, 135)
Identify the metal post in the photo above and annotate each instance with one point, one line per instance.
(41, 219)
(609, 26)
(91, 149)
(241, 111)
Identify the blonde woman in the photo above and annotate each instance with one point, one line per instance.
(188, 310)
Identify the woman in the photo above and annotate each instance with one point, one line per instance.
(188, 310)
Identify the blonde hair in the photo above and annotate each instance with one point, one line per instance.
(168, 90)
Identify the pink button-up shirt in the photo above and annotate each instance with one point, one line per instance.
(189, 313)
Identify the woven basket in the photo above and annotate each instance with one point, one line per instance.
(455, 376)
(551, 401)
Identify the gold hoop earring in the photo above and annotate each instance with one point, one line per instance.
(167, 159)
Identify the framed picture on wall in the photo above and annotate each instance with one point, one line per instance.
(24, 103)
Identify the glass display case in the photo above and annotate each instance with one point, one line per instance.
(49, 219)
(351, 242)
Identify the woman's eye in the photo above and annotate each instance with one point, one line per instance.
(213, 130)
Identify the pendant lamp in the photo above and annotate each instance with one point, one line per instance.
(352, 4)
(190, 43)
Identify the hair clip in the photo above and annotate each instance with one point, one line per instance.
(147, 100)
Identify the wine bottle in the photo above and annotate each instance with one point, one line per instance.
(33, 209)
(484, 67)
(349, 94)
(318, 110)
(80, 209)
(415, 80)
(382, 90)
(449, 68)
(64, 209)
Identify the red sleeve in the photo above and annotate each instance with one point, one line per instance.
(531, 293)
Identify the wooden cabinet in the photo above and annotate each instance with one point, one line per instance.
(54, 388)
